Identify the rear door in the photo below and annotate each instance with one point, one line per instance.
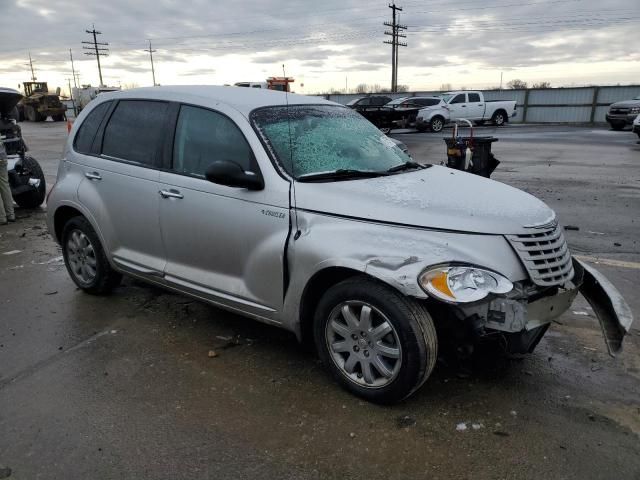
(458, 106)
(475, 106)
(120, 187)
(226, 244)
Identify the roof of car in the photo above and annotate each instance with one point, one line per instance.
(242, 99)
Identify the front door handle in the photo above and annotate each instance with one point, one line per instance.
(170, 194)
(93, 176)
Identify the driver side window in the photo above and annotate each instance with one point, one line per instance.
(203, 137)
(460, 98)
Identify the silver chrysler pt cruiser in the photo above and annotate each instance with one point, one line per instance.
(298, 212)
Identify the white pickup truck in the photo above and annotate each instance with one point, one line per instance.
(473, 106)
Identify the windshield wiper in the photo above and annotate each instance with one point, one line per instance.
(407, 166)
(340, 174)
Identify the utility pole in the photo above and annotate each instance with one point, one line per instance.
(153, 72)
(73, 102)
(33, 75)
(73, 70)
(98, 51)
(395, 43)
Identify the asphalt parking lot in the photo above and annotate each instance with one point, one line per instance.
(123, 386)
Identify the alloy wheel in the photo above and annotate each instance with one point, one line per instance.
(81, 257)
(363, 344)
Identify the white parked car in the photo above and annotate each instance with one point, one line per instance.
(434, 116)
(636, 126)
(473, 106)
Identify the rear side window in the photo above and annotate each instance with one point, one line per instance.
(134, 131)
(203, 137)
(474, 97)
(427, 102)
(84, 138)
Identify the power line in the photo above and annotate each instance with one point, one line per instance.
(98, 51)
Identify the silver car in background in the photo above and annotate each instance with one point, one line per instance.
(299, 213)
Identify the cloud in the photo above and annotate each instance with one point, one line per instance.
(247, 38)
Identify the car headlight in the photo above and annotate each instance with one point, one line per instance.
(462, 284)
(635, 110)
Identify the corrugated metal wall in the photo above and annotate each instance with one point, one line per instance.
(547, 105)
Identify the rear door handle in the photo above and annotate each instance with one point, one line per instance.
(93, 176)
(170, 194)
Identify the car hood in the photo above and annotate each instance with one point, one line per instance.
(626, 103)
(437, 197)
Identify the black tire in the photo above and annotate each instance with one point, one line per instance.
(499, 118)
(421, 127)
(58, 118)
(31, 114)
(411, 322)
(34, 197)
(436, 124)
(617, 126)
(480, 123)
(106, 278)
(20, 114)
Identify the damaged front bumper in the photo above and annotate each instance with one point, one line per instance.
(524, 316)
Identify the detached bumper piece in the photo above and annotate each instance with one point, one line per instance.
(613, 312)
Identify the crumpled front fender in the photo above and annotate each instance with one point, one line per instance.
(613, 312)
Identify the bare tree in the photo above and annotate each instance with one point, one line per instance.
(541, 85)
(129, 86)
(517, 84)
(362, 88)
(402, 88)
(445, 87)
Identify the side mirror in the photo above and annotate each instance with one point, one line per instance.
(232, 175)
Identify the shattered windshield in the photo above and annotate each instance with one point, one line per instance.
(308, 139)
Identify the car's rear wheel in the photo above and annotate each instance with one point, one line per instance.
(85, 258)
(58, 118)
(499, 118)
(377, 343)
(436, 124)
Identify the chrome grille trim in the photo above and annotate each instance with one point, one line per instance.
(545, 255)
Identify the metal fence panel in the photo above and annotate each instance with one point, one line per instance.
(615, 94)
(561, 96)
(558, 114)
(547, 105)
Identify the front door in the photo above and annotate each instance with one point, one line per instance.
(458, 106)
(226, 244)
(475, 107)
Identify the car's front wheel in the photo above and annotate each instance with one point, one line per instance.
(377, 343)
(437, 124)
(85, 258)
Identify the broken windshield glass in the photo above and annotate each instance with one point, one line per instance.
(308, 139)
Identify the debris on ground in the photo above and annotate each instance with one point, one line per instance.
(579, 312)
(405, 421)
(352, 435)
(571, 227)
(53, 292)
(477, 426)
(212, 354)
(12, 252)
(5, 472)
(616, 244)
(501, 433)
(461, 427)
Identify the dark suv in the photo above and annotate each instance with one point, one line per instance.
(369, 101)
(623, 113)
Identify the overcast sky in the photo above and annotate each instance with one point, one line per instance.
(325, 44)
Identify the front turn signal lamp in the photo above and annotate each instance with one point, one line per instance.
(462, 284)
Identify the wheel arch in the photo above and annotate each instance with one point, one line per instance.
(60, 218)
(319, 283)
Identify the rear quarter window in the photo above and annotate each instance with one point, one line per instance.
(135, 130)
(83, 140)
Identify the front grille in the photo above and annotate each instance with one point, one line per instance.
(623, 111)
(545, 256)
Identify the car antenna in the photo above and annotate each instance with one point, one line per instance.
(293, 171)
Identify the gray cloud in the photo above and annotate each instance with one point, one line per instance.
(440, 34)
